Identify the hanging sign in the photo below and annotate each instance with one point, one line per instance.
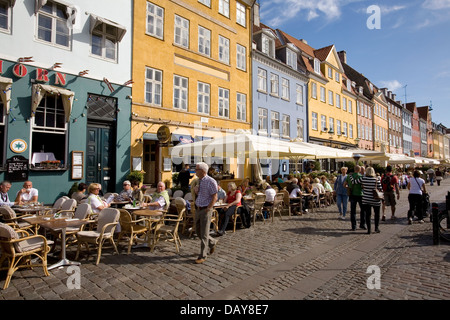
(18, 145)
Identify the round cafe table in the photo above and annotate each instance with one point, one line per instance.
(154, 216)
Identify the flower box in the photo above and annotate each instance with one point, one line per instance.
(50, 164)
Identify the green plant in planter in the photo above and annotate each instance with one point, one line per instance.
(136, 176)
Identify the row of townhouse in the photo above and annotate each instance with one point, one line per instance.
(107, 88)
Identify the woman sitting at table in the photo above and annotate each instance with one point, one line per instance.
(233, 199)
(97, 204)
(245, 187)
(270, 194)
(80, 194)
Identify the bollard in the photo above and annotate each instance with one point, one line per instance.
(434, 213)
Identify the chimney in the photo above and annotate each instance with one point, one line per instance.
(304, 41)
(256, 19)
(389, 94)
(343, 56)
(393, 96)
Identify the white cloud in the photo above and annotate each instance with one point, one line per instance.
(387, 10)
(392, 85)
(436, 4)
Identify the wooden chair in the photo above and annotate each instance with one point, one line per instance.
(277, 206)
(131, 228)
(258, 206)
(9, 216)
(168, 227)
(106, 225)
(18, 251)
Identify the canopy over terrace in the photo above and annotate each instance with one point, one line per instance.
(323, 152)
(422, 160)
(241, 145)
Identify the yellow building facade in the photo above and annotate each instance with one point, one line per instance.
(332, 104)
(192, 75)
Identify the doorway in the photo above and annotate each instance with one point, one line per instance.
(151, 162)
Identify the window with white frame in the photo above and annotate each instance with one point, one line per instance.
(345, 129)
(300, 128)
(224, 7)
(206, 2)
(350, 106)
(181, 32)
(330, 73)
(330, 98)
(224, 50)
(337, 77)
(240, 14)
(338, 100)
(317, 66)
(224, 103)
(203, 97)
(155, 20)
(286, 126)
(5, 16)
(350, 131)
(359, 131)
(338, 127)
(267, 45)
(291, 59)
(262, 120)
(2, 131)
(323, 122)
(180, 92)
(314, 120)
(314, 90)
(241, 57)
(153, 86)
(49, 125)
(322, 94)
(274, 84)
(52, 24)
(275, 123)
(204, 41)
(241, 106)
(358, 107)
(105, 41)
(349, 85)
(344, 103)
(299, 92)
(262, 80)
(285, 88)
(331, 124)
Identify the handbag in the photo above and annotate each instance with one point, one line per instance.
(377, 194)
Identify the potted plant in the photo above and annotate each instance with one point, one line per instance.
(136, 176)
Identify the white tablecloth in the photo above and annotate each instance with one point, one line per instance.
(42, 156)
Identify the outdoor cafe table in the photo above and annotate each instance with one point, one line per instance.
(29, 209)
(153, 216)
(60, 224)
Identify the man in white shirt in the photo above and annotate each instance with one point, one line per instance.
(27, 193)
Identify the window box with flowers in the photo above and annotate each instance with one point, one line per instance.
(50, 164)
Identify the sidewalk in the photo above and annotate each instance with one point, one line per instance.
(311, 257)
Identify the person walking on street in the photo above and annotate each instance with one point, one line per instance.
(206, 197)
(438, 176)
(341, 193)
(389, 183)
(416, 187)
(430, 173)
(356, 198)
(183, 178)
(369, 184)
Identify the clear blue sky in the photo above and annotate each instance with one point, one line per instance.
(411, 46)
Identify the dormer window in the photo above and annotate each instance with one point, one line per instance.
(291, 59)
(360, 90)
(349, 85)
(371, 87)
(317, 66)
(268, 45)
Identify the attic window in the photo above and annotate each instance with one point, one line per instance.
(268, 46)
(291, 59)
(360, 90)
(316, 66)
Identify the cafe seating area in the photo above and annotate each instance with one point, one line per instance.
(46, 232)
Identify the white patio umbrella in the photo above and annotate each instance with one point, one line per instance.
(371, 154)
(400, 159)
(323, 152)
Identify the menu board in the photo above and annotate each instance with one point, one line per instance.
(77, 165)
(16, 169)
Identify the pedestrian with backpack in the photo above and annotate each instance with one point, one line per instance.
(416, 187)
(389, 183)
(355, 195)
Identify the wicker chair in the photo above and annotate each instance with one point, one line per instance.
(169, 224)
(106, 224)
(18, 251)
(131, 228)
(277, 206)
(9, 217)
(57, 205)
(258, 206)
(236, 215)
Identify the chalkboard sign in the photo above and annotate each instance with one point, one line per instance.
(16, 169)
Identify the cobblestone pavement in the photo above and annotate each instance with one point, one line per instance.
(309, 257)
